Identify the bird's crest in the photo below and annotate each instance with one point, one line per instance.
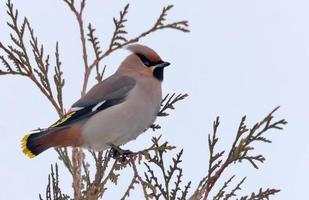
(145, 51)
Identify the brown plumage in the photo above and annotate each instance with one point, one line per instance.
(146, 51)
(70, 136)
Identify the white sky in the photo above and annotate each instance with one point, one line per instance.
(241, 57)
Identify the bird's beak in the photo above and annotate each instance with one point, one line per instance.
(162, 65)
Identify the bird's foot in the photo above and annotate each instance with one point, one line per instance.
(119, 154)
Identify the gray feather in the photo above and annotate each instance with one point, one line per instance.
(115, 87)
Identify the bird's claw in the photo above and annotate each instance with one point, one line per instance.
(119, 154)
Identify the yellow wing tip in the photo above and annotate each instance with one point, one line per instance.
(24, 147)
(63, 119)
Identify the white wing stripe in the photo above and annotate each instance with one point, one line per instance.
(97, 106)
(74, 109)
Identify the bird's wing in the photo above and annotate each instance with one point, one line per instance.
(114, 87)
(109, 92)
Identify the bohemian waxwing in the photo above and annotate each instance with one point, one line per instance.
(114, 112)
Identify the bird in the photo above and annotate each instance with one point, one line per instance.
(113, 112)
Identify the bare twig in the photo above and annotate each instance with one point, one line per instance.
(77, 153)
(79, 18)
(168, 103)
(221, 192)
(53, 191)
(58, 79)
(261, 195)
(239, 151)
(97, 51)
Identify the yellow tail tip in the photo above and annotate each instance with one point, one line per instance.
(24, 147)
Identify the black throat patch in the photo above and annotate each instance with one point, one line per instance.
(158, 73)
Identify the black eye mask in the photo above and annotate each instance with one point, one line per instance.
(146, 61)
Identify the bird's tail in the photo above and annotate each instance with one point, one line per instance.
(36, 142)
(32, 144)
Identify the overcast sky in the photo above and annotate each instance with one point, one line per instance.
(241, 57)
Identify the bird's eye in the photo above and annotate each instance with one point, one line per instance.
(144, 59)
(146, 63)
